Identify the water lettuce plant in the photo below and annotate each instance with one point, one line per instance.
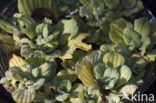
(75, 51)
(100, 11)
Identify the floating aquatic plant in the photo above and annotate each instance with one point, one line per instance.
(71, 51)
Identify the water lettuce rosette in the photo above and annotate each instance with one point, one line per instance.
(75, 51)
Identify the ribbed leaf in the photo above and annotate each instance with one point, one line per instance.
(9, 42)
(24, 95)
(112, 4)
(16, 61)
(117, 28)
(131, 38)
(95, 57)
(83, 70)
(142, 26)
(48, 70)
(4, 66)
(27, 6)
(113, 60)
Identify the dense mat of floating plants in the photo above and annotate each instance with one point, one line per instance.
(75, 51)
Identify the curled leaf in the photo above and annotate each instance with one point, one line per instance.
(28, 6)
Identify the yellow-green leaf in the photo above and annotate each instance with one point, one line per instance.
(114, 60)
(117, 28)
(27, 6)
(76, 43)
(142, 26)
(17, 61)
(83, 70)
(9, 42)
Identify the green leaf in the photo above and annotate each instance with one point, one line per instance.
(112, 4)
(106, 47)
(131, 38)
(153, 33)
(9, 42)
(3, 80)
(70, 30)
(28, 6)
(99, 71)
(35, 61)
(35, 72)
(94, 91)
(62, 96)
(28, 26)
(65, 85)
(76, 89)
(77, 43)
(142, 26)
(146, 42)
(95, 57)
(48, 70)
(24, 95)
(113, 98)
(73, 44)
(49, 101)
(129, 4)
(66, 74)
(45, 31)
(113, 60)
(110, 78)
(129, 12)
(7, 26)
(117, 28)
(125, 75)
(39, 83)
(122, 49)
(40, 28)
(15, 73)
(17, 61)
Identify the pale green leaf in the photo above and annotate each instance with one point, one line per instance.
(125, 75)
